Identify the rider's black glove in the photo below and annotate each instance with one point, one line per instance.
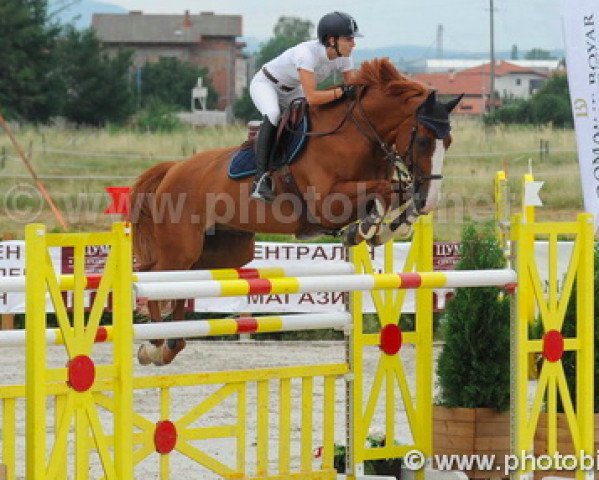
(349, 91)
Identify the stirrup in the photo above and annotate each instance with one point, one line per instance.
(262, 189)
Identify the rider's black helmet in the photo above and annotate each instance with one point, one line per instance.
(337, 24)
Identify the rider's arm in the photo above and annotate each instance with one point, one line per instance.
(317, 97)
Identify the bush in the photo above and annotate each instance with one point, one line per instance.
(474, 366)
(157, 117)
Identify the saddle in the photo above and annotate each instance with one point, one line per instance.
(290, 140)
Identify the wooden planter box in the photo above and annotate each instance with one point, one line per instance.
(472, 431)
(564, 442)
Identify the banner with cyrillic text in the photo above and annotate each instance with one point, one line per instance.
(445, 257)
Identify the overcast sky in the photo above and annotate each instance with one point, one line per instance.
(526, 23)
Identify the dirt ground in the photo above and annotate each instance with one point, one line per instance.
(202, 356)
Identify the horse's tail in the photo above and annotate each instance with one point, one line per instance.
(142, 193)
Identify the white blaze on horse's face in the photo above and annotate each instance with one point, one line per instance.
(434, 189)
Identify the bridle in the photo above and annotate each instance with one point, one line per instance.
(409, 173)
(404, 164)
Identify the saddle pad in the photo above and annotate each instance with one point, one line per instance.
(243, 161)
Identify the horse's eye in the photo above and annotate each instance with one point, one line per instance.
(423, 142)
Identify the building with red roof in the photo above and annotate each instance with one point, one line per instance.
(511, 81)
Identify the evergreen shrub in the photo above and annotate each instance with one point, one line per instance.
(474, 365)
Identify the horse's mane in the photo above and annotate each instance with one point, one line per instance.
(382, 73)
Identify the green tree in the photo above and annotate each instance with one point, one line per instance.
(538, 54)
(244, 108)
(551, 104)
(170, 80)
(288, 32)
(97, 87)
(474, 366)
(29, 79)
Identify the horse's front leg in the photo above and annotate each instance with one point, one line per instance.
(398, 223)
(368, 201)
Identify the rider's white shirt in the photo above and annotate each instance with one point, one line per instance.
(311, 56)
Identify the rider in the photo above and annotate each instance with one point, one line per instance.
(296, 73)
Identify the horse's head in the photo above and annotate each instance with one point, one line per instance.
(409, 128)
(423, 159)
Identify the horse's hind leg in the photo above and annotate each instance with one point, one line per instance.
(178, 251)
(162, 352)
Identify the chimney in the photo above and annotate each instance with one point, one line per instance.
(187, 20)
(451, 75)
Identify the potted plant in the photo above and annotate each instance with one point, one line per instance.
(386, 467)
(471, 413)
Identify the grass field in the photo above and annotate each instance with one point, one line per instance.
(76, 165)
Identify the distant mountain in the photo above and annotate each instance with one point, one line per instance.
(80, 12)
(411, 53)
(405, 55)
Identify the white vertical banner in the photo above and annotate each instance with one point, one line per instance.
(581, 36)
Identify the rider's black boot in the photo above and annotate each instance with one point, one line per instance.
(262, 188)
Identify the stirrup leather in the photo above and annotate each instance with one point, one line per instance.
(263, 188)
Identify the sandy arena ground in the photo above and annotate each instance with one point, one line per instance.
(214, 356)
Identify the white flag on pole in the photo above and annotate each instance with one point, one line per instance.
(531, 194)
(581, 36)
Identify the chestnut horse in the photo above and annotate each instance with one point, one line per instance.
(373, 164)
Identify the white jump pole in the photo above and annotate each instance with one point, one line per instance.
(17, 284)
(202, 328)
(340, 283)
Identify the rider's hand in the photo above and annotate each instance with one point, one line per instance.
(349, 91)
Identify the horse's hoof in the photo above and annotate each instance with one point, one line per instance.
(349, 238)
(404, 231)
(143, 357)
(149, 353)
(376, 241)
(169, 354)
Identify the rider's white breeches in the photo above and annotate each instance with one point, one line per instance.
(269, 99)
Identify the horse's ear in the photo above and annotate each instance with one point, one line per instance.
(429, 103)
(449, 106)
(387, 70)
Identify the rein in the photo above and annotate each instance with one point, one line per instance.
(348, 112)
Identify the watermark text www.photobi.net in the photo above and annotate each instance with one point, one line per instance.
(23, 203)
(415, 460)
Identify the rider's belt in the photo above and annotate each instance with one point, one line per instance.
(269, 75)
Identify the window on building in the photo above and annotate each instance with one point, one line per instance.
(518, 81)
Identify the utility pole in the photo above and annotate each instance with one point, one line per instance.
(440, 41)
(492, 66)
